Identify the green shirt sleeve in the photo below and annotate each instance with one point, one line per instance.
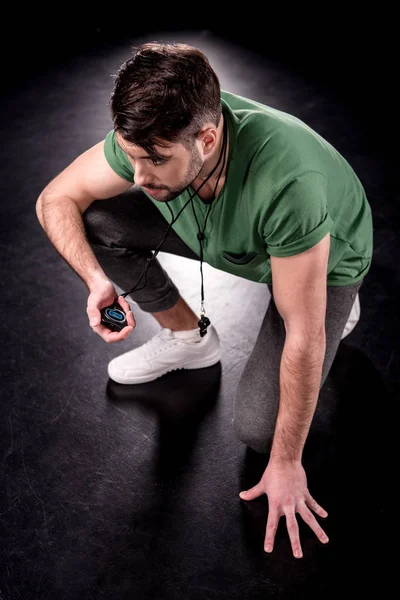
(298, 218)
(116, 157)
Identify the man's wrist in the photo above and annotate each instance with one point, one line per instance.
(283, 459)
(285, 451)
(95, 279)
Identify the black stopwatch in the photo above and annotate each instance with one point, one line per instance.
(113, 317)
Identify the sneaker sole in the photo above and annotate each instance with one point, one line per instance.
(195, 364)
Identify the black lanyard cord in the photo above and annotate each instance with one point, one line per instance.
(201, 232)
(200, 235)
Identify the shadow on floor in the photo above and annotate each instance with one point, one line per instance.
(181, 399)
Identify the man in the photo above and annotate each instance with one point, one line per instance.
(252, 191)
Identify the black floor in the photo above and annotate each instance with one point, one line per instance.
(131, 492)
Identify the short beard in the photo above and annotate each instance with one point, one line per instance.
(195, 166)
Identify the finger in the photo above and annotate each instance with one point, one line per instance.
(312, 522)
(117, 336)
(124, 304)
(311, 503)
(112, 336)
(130, 319)
(124, 333)
(272, 526)
(94, 316)
(293, 530)
(128, 313)
(253, 492)
(103, 331)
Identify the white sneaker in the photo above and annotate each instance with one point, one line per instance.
(166, 351)
(353, 319)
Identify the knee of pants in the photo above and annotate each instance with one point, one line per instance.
(102, 227)
(95, 223)
(256, 437)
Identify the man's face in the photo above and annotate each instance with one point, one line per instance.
(174, 170)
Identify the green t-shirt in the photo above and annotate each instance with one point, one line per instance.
(286, 188)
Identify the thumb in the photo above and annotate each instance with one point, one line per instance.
(252, 493)
(94, 316)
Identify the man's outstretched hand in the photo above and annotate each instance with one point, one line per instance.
(286, 487)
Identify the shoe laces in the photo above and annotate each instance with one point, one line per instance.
(157, 342)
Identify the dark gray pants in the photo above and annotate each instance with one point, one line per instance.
(123, 231)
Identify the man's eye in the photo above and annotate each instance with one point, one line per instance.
(158, 161)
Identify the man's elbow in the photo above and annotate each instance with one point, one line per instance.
(306, 338)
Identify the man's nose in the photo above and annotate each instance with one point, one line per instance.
(142, 175)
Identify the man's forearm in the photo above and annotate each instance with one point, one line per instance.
(62, 221)
(300, 381)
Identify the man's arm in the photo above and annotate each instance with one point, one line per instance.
(299, 288)
(60, 206)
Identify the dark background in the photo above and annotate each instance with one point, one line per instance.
(95, 497)
(347, 55)
(352, 54)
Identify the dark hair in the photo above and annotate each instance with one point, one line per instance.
(164, 92)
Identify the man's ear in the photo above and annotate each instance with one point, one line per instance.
(208, 138)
